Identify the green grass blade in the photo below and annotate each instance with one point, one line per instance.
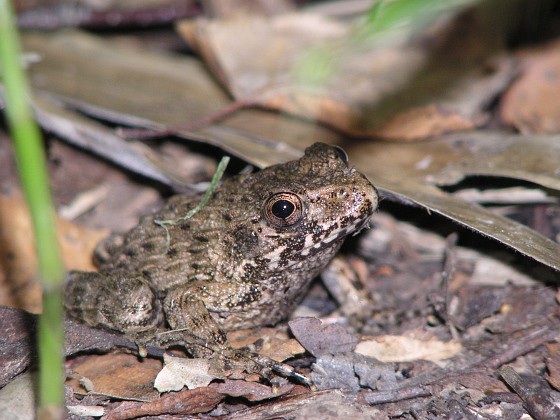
(34, 179)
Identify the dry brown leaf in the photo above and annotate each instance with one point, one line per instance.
(426, 91)
(393, 348)
(271, 342)
(118, 375)
(86, 410)
(178, 372)
(531, 104)
(185, 402)
(410, 170)
(456, 101)
(513, 314)
(51, 15)
(18, 261)
(471, 305)
(229, 47)
(329, 403)
(422, 122)
(253, 391)
(553, 365)
(18, 399)
(155, 91)
(320, 339)
(482, 381)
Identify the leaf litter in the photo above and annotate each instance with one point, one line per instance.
(487, 308)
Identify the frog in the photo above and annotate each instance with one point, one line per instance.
(244, 260)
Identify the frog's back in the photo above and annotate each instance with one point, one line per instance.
(167, 254)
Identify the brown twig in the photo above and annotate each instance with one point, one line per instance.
(534, 392)
(149, 134)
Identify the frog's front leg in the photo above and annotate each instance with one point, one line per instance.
(192, 324)
(116, 301)
(196, 329)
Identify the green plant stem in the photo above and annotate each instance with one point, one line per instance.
(213, 185)
(31, 160)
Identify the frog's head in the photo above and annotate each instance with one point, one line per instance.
(306, 208)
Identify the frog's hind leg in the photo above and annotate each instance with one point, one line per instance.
(115, 301)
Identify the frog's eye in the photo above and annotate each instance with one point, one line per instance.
(283, 209)
(341, 154)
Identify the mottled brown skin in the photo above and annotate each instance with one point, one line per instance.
(244, 260)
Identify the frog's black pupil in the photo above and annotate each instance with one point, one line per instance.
(282, 209)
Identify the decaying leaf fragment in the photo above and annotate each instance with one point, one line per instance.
(184, 402)
(18, 260)
(401, 349)
(553, 365)
(531, 103)
(317, 67)
(18, 399)
(412, 171)
(269, 342)
(178, 372)
(118, 375)
(320, 339)
(254, 391)
(352, 372)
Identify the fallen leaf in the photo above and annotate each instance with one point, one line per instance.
(471, 305)
(88, 86)
(86, 410)
(410, 172)
(358, 75)
(117, 375)
(184, 402)
(396, 348)
(422, 122)
(178, 372)
(531, 103)
(553, 364)
(18, 398)
(269, 342)
(460, 106)
(329, 403)
(482, 381)
(17, 342)
(352, 371)
(18, 259)
(253, 391)
(319, 339)
(513, 314)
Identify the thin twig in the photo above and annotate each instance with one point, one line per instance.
(149, 134)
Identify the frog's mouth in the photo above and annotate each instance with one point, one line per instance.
(337, 236)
